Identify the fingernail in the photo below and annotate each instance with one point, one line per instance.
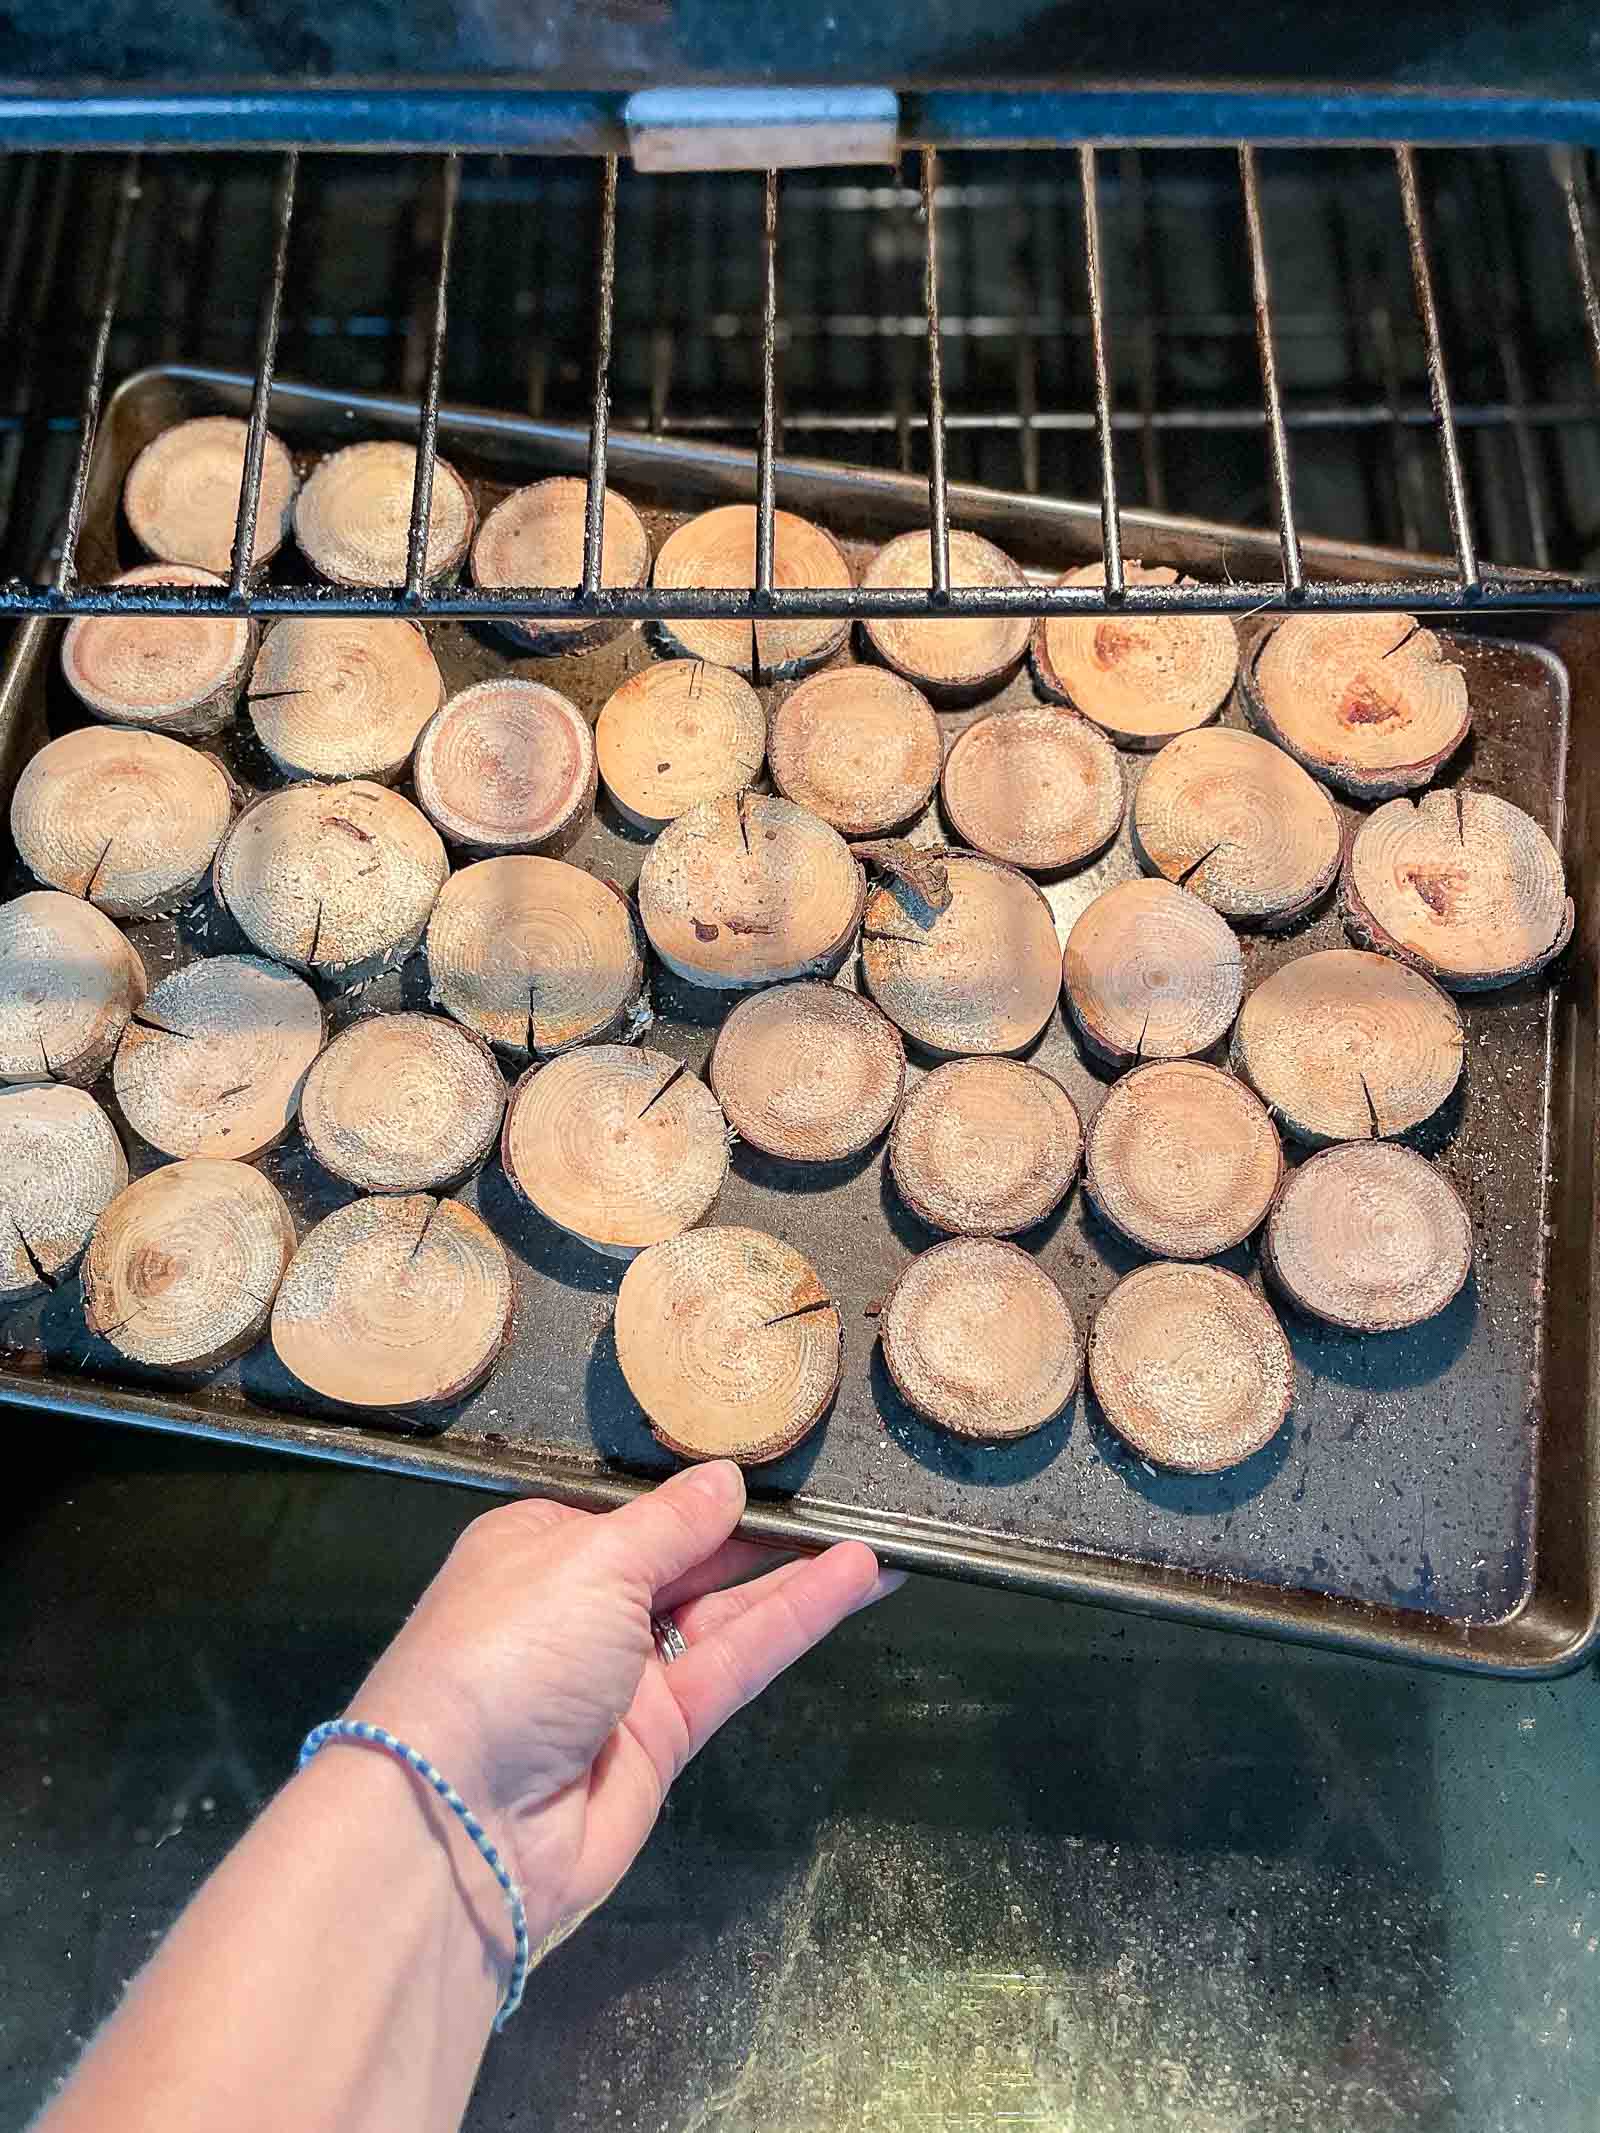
(719, 1479)
(887, 1581)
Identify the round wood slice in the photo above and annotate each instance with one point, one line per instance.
(982, 975)
(729, 1342)
(68, 983)
(1368, 702)
(1239, 824)
(213, 1062)
(343, 696)
(61, 1164)
(676, 733)
(395, 1302)
(166, 671)
(129, 820)
(508, 766)
(979, 1339)
(1462, 884)
(745, 891)
(1144, 678)
(535, 955)
(1151, 973)
(618, 1146)
(335, 879)
(181, 496)
(533, 541)
(719, 549)
(1182, 1160)
(1190, 1367)
(1343, 1045)
(403, 1103)
(985, 1147)
(1038, 787)
(183, 1266)
(1369, 1236)
(353, 517)
(859, 746)
(962, 658)
(808, 1072)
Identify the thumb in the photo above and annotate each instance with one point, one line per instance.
(659, 1537)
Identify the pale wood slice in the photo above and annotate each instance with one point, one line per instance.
(1462, 884)
(985, 1147)
(1151, 972)
(395, 1302)
(212, 1062)
(744, 891)
(859, 746)
(343, 696)
(1369, 1236)
(536, 955)
(353, 517)
(1190, 1367)
(403, 1103)
(1143, 678)
(1182, 1160)
(1239, 824)
(333, 879)
(1368, 702)
(165, 671)
(962, 658)
(129, 820)
(508, 766)
(68, 983)
(1343, 1045)
(61, 1164)
(982, 975)
(719, 549)
(181, 496)
(979, 1339)
(729, 1342)
(532, 541)
(1038, 787)
(676, 733)
(808, 1072)
(618, 1146)
(183, 1266)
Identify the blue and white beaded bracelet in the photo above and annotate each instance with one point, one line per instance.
(355, 1729)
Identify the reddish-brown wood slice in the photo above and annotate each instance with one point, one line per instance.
(985, 1147)
(981, 975)
(808, 1072)
(1182, 1160)
(678, 732)
(403, 1103)
(68, 983)
(859, 746)
(533, 541)
(1143, 678)
(979, 1339)
(1039, 788)
(352, 519)
(1151, 972)
(181, 496)
(965, 657)
(718, 549)
(169, 672)
(343, 696)
(508, 766)
(1369, 1236)
(61, 1165)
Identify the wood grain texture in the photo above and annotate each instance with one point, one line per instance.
(979, 1339)
(352, 519)
(1369, 1236)
(808, 1072)
(181, 497)
(507, 766)
(985, 1147)
(68, 983)
(676, 733)
(61, 1165)
(533, 541)
(1182, 1160)
(983, 975)
(859, 746)
(961, 659)
(403, 1103)
(341, 696)
(1151, 972)
(167, 672)
(1142, 678)
(718, 549)
(1039, 788)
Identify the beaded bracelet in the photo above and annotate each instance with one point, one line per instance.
(355, 1729)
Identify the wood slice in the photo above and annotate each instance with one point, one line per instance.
(1182, 1160)
(181, 496)
(68, 983)
(960, 659)
(1462, 884)
(719, 549)
(979, 1339)
(982, 975)
(533, 541)
(213, 1062)
(61, 1164)
(1144, 678)
(985, 1147)
(1039, 788)
(183, 1266)
(1190, 1367)
(1369, 1236)
(334, 879)
(165, 671)
(343, 696)
(676, 733)
(1343, 1045)
(808, 1072)
(744, 891)
(396, 1302)
(1151, 973)
(403, 1103)
(129, 820)
(1239, 824)
(353, 517)
(1368, 702)
(508, 766)
(729, 1342)
(618, 1146)
(536, 955)
(859, 746)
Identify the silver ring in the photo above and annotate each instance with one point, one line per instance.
(667, 1638)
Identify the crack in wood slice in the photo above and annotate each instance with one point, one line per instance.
(1151, 972)
(718, 549)
(985, 1147)
(1040, 788)
(336, 696)
(982, 976)
(352, 519)
(403, 1103)
(1369, 1236)
(61, 1165)
(677, 733)
(964, 657)
(68, 983)
(979, 1339)
(1143, 678)
(859, 746)
(533, 541)
(168, 672)
(1182, 1160)
(181, 496)
(508, 766)
(921, 867)
(808, 1072)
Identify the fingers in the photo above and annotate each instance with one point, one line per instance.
(658, 1539)
(734, 1559)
